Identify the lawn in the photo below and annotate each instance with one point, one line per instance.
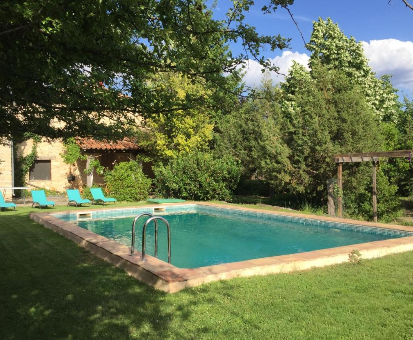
(50, 288)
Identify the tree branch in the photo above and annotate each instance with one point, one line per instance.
(296, 24)
(408, 5)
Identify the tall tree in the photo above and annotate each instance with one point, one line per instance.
(324, 113)
(251, 134)
(333, 49)
(169, 134)
(85, 63)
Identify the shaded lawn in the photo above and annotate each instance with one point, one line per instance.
(50, 288)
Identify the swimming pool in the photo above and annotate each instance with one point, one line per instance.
(249, 241)
(204, 236)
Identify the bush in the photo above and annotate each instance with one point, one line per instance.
(198, 176)
(127, 182)
(358, 195)
(87, 194)
(253, 187)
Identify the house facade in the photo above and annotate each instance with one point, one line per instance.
(6, 166)
(49, 171)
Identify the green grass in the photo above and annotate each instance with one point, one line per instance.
(50, 288)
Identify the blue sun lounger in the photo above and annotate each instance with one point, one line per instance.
(98, 196)
(40, 199)
(74, 197)
(3, 203)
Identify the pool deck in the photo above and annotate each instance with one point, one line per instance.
(171, 279)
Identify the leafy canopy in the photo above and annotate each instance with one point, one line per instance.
(251, 134)
(84, 64)
(324, 114)
(333, 49)
(169, 134)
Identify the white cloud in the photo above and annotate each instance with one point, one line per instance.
(387, 56)
(394, 57)
(254, 76)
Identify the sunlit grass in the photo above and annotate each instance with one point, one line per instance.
(50, 288)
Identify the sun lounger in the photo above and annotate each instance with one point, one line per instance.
(40, 199)
(74, 197)
(98, 196)
(3, 203)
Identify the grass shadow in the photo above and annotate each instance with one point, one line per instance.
(53, 289)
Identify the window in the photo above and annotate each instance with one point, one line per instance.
(40, 170)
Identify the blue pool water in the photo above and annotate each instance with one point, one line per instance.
(205, 236)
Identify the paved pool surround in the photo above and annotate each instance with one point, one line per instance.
(171, 279)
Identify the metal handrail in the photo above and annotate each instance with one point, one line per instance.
(132, 248)
(155, 218)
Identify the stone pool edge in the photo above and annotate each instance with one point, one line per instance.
(171, 279)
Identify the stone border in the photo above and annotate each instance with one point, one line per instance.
(171, 279)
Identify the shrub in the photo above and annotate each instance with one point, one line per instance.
(127, 182)
(358, 195)
(198, 176)
(86, 192)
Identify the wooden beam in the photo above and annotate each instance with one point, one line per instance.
(388, 154)
(351, 159)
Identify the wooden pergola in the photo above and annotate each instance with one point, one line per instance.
(364, 157)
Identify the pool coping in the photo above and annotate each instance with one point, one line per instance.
(171, 279)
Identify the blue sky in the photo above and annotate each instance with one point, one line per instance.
(386, 31)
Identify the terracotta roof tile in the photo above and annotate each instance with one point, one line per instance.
(126, 144)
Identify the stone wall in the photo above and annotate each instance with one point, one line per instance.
(6, 169)
(60, 171)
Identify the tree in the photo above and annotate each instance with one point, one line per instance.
(400, 137)
(82, 64)
(331, 48)
(181, 131)
(324, 113)
(197, 176)
(251, 134)
(408, 4)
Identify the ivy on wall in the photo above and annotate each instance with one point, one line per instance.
(72, 152)
(24, 163)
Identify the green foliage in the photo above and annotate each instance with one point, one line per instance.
(61, 61)
(324, 114)
(127, 182)
(331, 48)
(72, 152)
(252, 187)
(180, 131)
(358, 193)
(401, 170)
(24, 163)
(86, 192)
(198, 176)
(94, 165)
(251, 134)
(354, 257)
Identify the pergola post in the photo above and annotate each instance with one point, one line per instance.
(89, 178)
(340, 189)
(374, 191)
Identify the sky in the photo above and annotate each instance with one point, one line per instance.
(385, 30)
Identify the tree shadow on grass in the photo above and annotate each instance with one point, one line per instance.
(50, 288)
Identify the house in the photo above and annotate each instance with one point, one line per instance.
(49, 171)
(6, 166)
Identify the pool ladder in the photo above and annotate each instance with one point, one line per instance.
(150, 219)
